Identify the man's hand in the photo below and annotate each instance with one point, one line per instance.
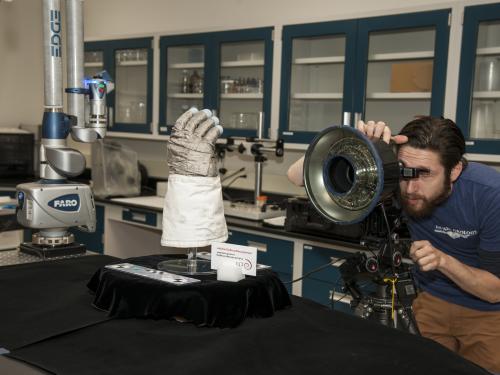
(376, 130)
(426, 256)
(191, 147)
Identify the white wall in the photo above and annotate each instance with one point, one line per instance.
(21, 63)
(175, 16)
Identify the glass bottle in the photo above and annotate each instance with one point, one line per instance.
(185, 82)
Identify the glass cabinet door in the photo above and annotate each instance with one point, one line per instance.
(478, 107)
(228, 72)
(129, 62)
(93, 63)
(399, 76)
(184, 80)
(485, 114)
(241, 81)
(317, 78)
(402, 67)
(317, 82)
(131, 70)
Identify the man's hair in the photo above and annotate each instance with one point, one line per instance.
(440, 135)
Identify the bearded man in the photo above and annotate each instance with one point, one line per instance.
(453, 211)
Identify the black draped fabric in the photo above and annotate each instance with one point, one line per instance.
(209, 303)
(42, 299)
(304, 339)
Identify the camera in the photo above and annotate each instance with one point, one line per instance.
(351, 181)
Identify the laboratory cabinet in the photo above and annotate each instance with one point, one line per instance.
(273, 252)
(229, 72)
(326, 285)
(130, 64)
(389, 68)
(478, 105)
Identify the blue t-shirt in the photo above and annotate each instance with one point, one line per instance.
(467, 221)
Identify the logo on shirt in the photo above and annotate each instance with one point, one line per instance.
(455, 233)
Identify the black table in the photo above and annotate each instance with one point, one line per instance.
(48, 322)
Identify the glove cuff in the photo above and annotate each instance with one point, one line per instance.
(193, 213)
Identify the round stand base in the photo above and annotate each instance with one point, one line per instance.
(187, 267)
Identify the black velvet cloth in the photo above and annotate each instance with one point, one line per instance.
(304, 339)
(43, 299)
(209, 303)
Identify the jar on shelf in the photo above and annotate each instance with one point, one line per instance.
(196, 82)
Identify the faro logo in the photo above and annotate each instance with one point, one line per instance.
(68, 202)
(55, 37)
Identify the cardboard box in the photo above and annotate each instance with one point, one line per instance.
(413, 76)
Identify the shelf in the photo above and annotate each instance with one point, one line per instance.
(241, 63)
(313, 96)
(401, 56)
(242, 96)
(199, 65)
(399, 95)
(488, 51)
(93, 65)
(132, 63)
(319, 60)
(185, 96)
(486, 94)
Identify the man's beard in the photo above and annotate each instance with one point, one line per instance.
(428, 206)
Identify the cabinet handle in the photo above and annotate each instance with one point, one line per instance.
(260, 127)
(138, 217)
(346, 118)
(259, 245)
(358, 116)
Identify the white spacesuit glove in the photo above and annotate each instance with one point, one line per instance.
(193, 213)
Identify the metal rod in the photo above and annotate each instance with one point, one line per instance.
(74, 27)
(52, 44)
(258, 181)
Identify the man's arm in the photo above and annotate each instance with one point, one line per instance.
(296, 172)
(478, 282)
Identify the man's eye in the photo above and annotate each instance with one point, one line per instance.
(425, 173)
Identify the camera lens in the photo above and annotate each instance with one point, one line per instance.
(340, 174)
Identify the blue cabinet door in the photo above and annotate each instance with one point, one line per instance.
(478, 106)
(321, 285)
(228, 72)
(93, 241)
(389, 68)
(272, 252)
(130, 64)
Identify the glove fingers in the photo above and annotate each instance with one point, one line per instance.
(205, 126)
(198, 118)
(183, 120)
(213, 133)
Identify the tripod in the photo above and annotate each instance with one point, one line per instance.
(387, 307)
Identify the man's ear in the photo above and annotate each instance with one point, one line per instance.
(456, 170)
